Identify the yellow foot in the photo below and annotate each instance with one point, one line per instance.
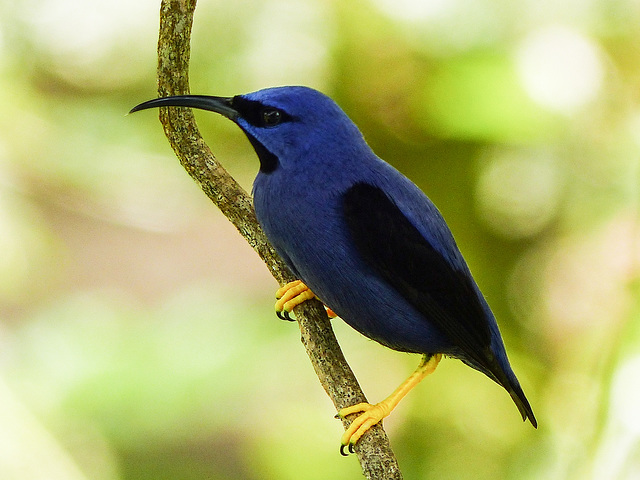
(371, 414)
(290, 296)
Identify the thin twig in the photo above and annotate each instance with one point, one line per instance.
(176, 17)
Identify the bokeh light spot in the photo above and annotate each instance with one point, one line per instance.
(625, 395)
(518, 194)
(93, 43)
(585, 278)
(294, 52)
(560, 68)
(414, 10)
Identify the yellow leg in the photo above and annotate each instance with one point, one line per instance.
(372, 414)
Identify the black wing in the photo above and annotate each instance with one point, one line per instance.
(396, 250)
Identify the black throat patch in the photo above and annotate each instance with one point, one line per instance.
(268, 161)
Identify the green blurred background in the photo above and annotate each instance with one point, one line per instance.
(137, 333)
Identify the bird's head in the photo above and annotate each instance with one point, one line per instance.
(283, 124)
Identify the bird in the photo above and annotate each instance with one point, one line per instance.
(362, 238)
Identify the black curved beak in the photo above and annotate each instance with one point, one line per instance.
(221, 105)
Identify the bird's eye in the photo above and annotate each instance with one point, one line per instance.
(271, 117)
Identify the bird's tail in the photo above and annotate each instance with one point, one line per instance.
(508, 380)
(521, 402)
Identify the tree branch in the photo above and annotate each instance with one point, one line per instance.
(176, 17)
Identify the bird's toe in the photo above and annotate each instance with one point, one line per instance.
(371, 414)
(290, 296)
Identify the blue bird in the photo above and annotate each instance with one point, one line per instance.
(362, 238)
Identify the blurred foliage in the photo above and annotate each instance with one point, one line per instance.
(137, 334)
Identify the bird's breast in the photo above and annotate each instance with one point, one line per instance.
(308, 229)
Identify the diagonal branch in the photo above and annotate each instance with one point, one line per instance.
(176, 17)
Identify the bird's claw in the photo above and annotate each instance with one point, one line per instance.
(284, 315)
(350, 448)
(371, 414)
(290, 296)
